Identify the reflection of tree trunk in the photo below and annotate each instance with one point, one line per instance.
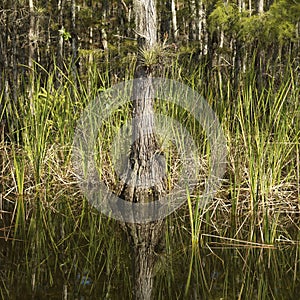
(139, 185)
(147, 238)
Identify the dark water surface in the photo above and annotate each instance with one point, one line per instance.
(209, 272)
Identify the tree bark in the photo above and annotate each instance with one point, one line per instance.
(165, 19)
(174, 20)
(60, 45)
(31, 37)
(139, 186)
(205, 39)
(74, 41)
(192, 21)
(14, 59)
(31, 48)
(105, 12)
(260, 7)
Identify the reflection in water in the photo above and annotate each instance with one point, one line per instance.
(182, 272)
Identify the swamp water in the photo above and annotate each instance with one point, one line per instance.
(88, 257)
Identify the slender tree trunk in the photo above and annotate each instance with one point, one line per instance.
(205, 38)
(74, 40)
(4, 81)
(240, 5)
(193, 21)
(31, 33)
(222, 36)
(90, 55)
(4, 61)
(260, 6)
(174, 20)
(201, 28)
(90, 59)
(60, 45)
(144, 237)
(198, 5)
(48, 52)
(31, 48)
(297, 46)
(14, 59)
(238, 58)
(103, 30)
(165, 19)
(237, 61)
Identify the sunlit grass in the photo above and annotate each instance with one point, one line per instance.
(59, 240)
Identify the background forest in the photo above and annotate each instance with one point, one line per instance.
(241, 56)
(225, 37)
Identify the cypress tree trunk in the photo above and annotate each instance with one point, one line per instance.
(144, 166)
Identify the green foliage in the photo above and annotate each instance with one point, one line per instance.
(255, 28)
(225, 16)
(281, 20)
(276, 24)
(65, 34)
